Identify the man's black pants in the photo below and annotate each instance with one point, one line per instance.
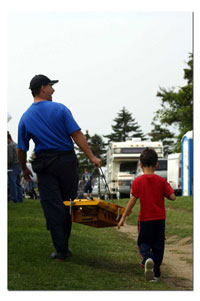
(58, 182)
(151, 242)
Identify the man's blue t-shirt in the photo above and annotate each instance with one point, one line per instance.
(49, 124)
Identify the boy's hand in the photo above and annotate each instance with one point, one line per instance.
(121, 222)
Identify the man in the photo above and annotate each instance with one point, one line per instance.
(52, 127)
(87, 180)
(14, 173)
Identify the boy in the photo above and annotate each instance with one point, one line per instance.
(151, 189)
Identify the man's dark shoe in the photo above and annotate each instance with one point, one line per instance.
(61, 256)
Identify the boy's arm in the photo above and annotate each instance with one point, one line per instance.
(127, 211)
(172, 197)
(169, 192)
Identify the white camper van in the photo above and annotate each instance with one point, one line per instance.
(161, 170)
(174, 172)
(122, 159)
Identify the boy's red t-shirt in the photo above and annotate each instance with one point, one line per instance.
(151, 190)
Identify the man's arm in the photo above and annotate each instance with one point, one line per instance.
(80, 140)
(22, 160)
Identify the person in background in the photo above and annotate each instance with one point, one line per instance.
(151, 189)
(87, 181)
(14, 173)
(80, 191)
(53, 129)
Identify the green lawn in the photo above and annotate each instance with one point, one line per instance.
(179, 216)
(103, 259)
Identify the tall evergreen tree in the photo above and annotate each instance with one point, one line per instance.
(125, 127)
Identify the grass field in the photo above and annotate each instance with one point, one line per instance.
(103, 259)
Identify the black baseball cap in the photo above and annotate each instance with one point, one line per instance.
(40, 80)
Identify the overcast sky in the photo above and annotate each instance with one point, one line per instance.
(103, 61)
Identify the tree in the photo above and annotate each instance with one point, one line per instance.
(177, 106)
(125, 127)
(97, 146)
(83, 160)
(160, 133)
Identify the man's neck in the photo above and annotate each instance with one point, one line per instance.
(38, 99)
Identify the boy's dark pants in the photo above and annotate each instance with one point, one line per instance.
(58, 182)
(151, 242)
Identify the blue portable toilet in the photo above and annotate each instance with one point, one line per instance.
(187, 164)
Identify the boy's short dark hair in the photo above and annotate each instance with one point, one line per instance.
(148, 157)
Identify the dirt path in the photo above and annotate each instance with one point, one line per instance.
(177, 261)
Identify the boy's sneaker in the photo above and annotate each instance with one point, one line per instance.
(155, 279)
(148, 269)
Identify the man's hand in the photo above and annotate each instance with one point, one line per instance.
(81, 141)
(27, 174)
(22, 160)
(96, 161)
